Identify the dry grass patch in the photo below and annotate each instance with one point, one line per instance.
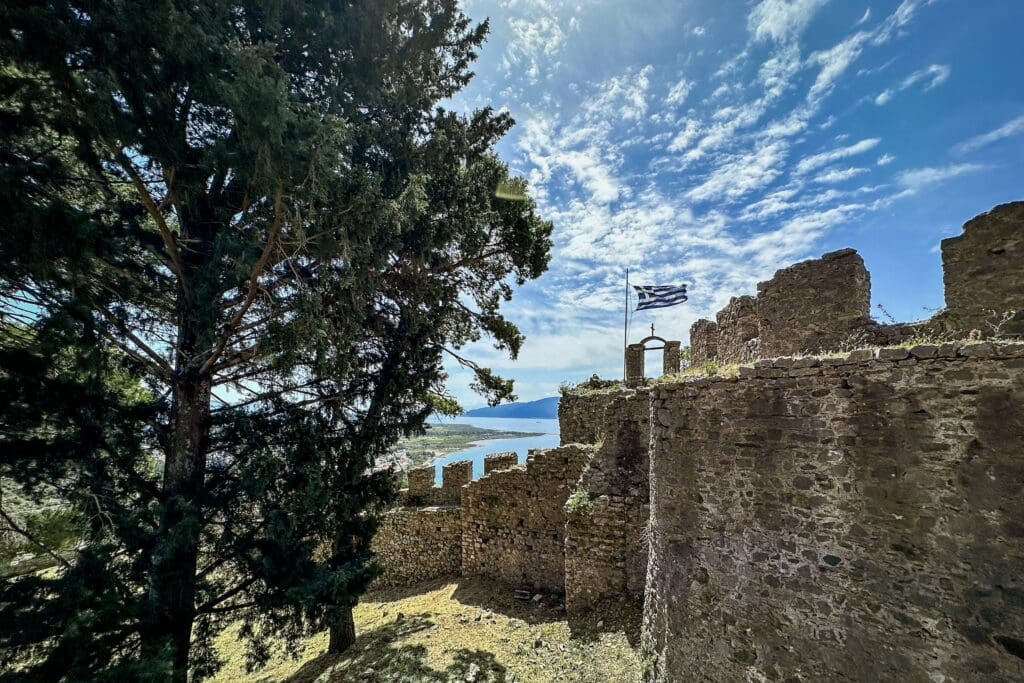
(466, 630)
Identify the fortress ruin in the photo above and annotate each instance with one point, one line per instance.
(821, 515)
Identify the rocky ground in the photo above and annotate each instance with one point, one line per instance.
(465, 630)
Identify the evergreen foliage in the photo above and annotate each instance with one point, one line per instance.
(243, 235)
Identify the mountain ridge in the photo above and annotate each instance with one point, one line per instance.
(544, 408)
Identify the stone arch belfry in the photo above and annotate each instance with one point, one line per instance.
(635, 357)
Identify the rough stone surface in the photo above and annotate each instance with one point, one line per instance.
(634, 363)
(703, 342)
(814, 305)
(513, 521)
(414, 545)
(605, 537)
(982, 271)
(859, 523)
(738, 329)
(670, 359)
(581, 416)
(500, 461)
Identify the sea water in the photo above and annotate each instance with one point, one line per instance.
(548, 439)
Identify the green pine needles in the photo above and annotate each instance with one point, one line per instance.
(238, 241)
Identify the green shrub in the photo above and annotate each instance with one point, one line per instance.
(579, 503)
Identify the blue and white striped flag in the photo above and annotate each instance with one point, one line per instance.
(659, 296)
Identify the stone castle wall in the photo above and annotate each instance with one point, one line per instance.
(824, 304)
(982, 271)
(581, 416)
(418, 544)
(513, 521)
(605, 537)
(851, 518)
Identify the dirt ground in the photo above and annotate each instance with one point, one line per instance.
(466, 630)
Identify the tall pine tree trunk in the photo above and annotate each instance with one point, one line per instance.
(343, 634)
(172, 586)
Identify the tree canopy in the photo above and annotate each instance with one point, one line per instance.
(261, 212)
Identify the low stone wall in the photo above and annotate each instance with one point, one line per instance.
(500, 461)
(605, 536)
(422, 490)
(418, 544)
(851, 518)
(513, 521)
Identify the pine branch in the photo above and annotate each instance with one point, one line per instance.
(158, 217)
(261, 263)
(14, 526)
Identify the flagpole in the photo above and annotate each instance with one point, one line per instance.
(625, 326)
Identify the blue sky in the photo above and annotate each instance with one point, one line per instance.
(712, 142)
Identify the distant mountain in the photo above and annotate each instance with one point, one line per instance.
(544, 409)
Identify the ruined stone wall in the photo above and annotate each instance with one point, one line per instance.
(423, 492)
(703, 342)
(814, 305)
(738, 329)
(513, 521)
(418, 544)
(983, 273)
(824, 304)
(581, 415)
(605, 536)
(851, 518)
(500, 461)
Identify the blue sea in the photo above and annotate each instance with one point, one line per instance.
(476, 452)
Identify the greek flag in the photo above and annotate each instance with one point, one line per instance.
(659, 296)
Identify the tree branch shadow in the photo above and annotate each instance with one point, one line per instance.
(373, 658)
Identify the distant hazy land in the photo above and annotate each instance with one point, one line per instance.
(442, 439)
(542, 409)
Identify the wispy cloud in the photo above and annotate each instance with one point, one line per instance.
(1007, 130)
(782, 20)
(917, 179)
(885, 159)
(677, 94)
(935, 75)
(839, 175)
(814, 161)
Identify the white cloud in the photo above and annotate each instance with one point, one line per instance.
(917, 179)
(698, 30)
(897, 20)
(885, 160)
(677, 94)
(1008, 129)
(685, 137)
(814, 161)
(624, 96)
(533, 40)
(834, 62)
(742, 173)
(935, 75)
(838, 175)
(782, 20)
(867, 15)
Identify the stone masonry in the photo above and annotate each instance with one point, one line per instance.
(605, 537)
(983, 272)
(824, 304)
(513, 521)
(851, 518)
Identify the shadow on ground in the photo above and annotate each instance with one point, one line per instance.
(373, 658)
(489, 594)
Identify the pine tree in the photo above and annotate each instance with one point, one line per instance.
(261, 213)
